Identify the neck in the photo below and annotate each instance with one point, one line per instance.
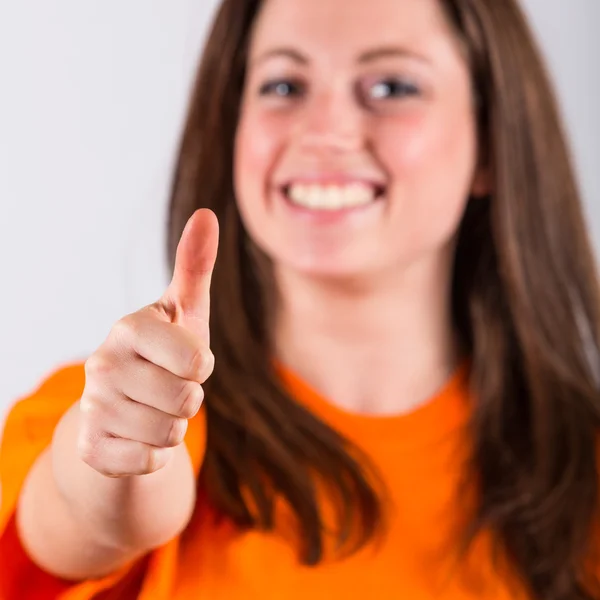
(378, 347)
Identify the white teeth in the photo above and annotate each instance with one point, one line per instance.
(331, 197)
(297, 193)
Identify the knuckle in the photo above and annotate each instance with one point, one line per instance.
(201, 364)
(126, 329)
(210, 365)
(189, 400)
(120, 329)
(97, 410)
(155, 459)
(176, 432)
(89, 408)
(98, 366)
(89, 449)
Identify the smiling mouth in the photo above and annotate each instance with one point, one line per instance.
(332, 197)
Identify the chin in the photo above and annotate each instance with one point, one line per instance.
(319, 257)
(338, 268)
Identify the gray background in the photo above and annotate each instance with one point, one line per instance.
(91, 100)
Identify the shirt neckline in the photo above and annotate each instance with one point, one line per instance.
(441, 414)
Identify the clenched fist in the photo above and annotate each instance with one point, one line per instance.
(145, 381)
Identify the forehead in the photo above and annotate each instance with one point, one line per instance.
(343, 27)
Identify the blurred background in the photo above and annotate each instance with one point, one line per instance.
(92, 96)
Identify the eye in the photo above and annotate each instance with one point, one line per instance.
(281, 88)
(390, 89)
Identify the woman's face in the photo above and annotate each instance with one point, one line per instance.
(356, 147)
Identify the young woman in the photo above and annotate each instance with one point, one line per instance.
(404, 318)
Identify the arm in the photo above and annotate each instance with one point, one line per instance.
(79, 524)
(117, 480)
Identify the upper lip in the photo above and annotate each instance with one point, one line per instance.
(333, 178)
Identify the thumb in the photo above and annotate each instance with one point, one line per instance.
(189, 290)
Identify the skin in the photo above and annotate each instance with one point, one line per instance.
(117, 480)
(366, 291)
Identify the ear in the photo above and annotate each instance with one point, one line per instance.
(482, 182)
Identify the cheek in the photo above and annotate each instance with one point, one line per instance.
(431, 160)
(427, 144)
(257, 145)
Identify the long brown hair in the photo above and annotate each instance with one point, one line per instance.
(526, 305)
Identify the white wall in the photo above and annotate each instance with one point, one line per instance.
(568, 31)
(91, 100)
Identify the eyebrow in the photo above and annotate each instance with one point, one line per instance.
(281, 52)
(366, 57)
(390, 52)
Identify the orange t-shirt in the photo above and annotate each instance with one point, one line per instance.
(420, 456)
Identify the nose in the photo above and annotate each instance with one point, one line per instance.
(331, 122)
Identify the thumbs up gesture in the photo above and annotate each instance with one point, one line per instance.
(145, 381)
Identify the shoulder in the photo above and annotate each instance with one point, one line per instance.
(31, 415)
(29, 427)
